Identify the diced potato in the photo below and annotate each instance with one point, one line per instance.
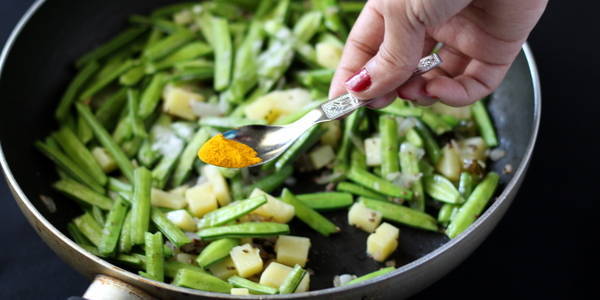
(473, 148)
(333, 134)
(182, 219)
(363, 217)
(328, 54)
(106, 162)
(383, 242)
(180, 190)
(218, 183)
(185, 258)
(450, 163)
(373, 151)
(247, 260)
(161, 198)
(275, 274)
(201, 199)
(322, 156)
(275, 209)
(223, 269)
(463, 112)
(183, 17)
(277, 104)
(292, 250)
(179, 101)
(240, 291)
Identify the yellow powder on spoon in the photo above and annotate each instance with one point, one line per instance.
(227, 153)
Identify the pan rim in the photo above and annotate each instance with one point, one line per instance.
(24, 202)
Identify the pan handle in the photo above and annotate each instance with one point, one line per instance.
(108, 288)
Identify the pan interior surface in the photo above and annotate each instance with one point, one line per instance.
(39, 66)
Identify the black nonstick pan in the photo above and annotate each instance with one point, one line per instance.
(36, 65)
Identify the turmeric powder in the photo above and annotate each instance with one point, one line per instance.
(227, 153)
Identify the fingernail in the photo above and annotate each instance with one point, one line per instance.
(359, 82)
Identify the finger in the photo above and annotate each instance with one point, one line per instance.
(414, 91)
(478, 81)
(397, 56)
(454, 62)
(382, 101)
(362, 44)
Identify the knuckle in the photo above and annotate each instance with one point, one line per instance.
(392, 59)
(362, 46)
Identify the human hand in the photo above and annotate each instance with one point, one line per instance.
(481, 39)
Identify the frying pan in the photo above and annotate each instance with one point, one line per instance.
(36, 65)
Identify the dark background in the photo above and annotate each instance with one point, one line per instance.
(537, 250)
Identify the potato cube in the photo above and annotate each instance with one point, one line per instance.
(247, 260)
(161, 198)
(275, 209)
(322, 156)
(180, 190)
(201, 199)
(178, 102)
(223, 269)
(182, 219)
(185, 258)
(363, 217)
(450, 163)
(373, 151)
(277, 104)
(473, 148)
(333, 134)
(328, 54)
(219, 184)
(240, 291)
(106, 162)
(275, 274)
(382, 242)
(292, 250)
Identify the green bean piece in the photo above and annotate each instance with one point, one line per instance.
(165, 167)
(140, 210)
(88, 226)
(67, 165)
(316, 77)
(350, 125)
(74, 87)
(351, 7)
(137, 126)
(151, 95)
(326, 200)
(188, 52)
(131, 147)
(97, 214)
(401, 214)
(125, 243)
(170, 230)
(359, 190)
(84, 132)
(224, 9)
(168, 45)
(301, 145)
(83, 193)
(77, 235)
(133, 76)
(273, 63)
(109, 110)
(413, 137)
(148, 156)
(308, 215)
(484, 123)
(370, 275)
(117, 185)
(216, 251)
(245, 65)
(410, 165)
(80, 154)
(172, 267)
(432, 149)
(204, 21)
(366, 179)
(474, 205)
(250, 229)
(231, 212)
(466, 183)
(190, 74)
(292, 280)
(171, 9)
(333, 21)
(223, 52)
(435, 122)
(389, 145)
(123, 132)
(402, 109)
(186, 160)
(307, 26)
(270, 182)
(200, 281)
(253, 287)
(445, 213)
(442, 189)
(107, 142)
(104, 81)
(110, 47)
(153, 244)
(112, 227)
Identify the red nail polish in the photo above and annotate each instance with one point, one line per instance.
(360, 81)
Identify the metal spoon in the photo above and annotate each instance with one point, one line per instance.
(271, 141)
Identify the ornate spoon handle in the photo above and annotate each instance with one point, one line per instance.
(347, 103)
